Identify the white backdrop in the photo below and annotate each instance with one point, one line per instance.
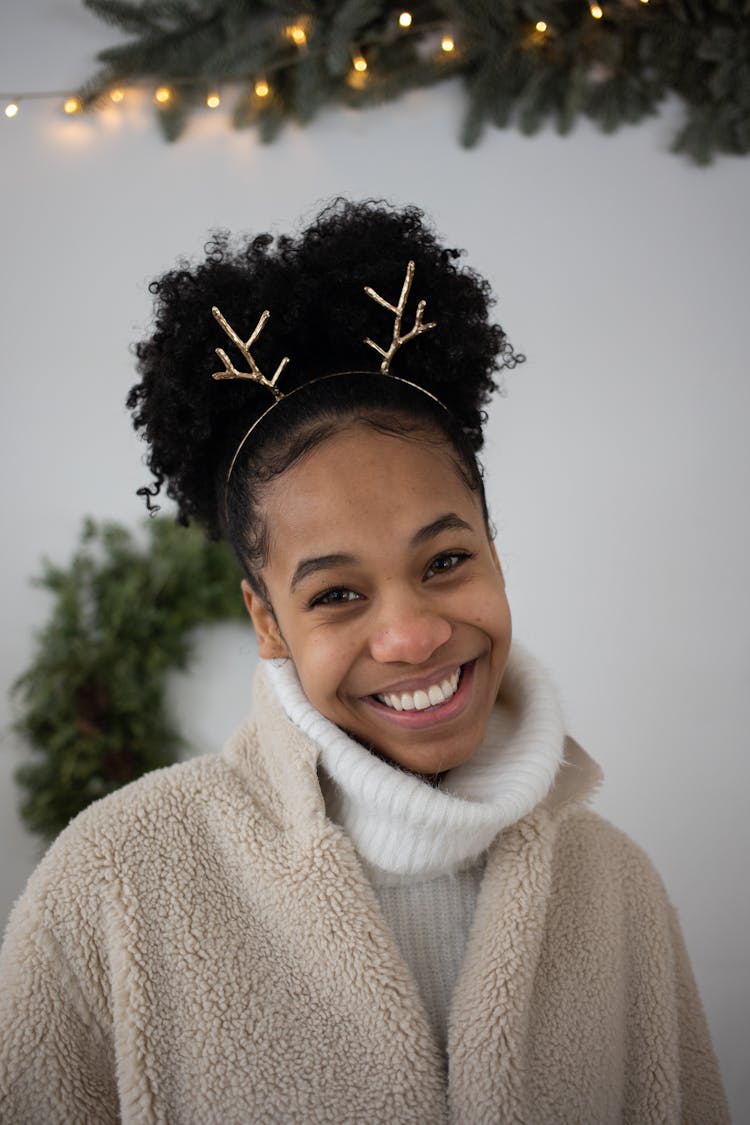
(617, 464)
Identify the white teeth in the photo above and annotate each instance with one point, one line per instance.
(422, 699)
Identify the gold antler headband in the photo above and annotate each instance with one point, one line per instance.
(231, 372)
(398, 311)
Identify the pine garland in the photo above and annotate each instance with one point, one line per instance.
(92, 703)
(523, 62)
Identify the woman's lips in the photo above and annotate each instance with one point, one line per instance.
(419, 683)
(439, 689)
(431, 716)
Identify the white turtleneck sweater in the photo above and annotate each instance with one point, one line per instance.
(423, 847)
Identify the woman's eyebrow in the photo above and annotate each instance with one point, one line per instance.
(306, 567)
(449, 522)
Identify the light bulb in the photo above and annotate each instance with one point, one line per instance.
(163, 95)
(541, 26)
(447, 43)
(297, 34)
(11, 109)
(596, 12)
(405, 19)
(72, 105)
(262, 89)
(116, 95)
(360, 63)
(213, 100)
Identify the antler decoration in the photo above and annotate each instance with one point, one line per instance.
(231, 372)
(398, 311)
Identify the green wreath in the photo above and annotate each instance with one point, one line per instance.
(93, 700)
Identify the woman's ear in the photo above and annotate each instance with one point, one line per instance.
(271, 645)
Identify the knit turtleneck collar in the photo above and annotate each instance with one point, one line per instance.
(401, 824)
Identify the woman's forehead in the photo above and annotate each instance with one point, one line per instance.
(365, 487)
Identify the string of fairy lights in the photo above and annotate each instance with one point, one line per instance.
(163, 93)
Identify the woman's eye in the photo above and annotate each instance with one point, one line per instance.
(447, 562)
(337, 595)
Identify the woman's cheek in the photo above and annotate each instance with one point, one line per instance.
(326, 663)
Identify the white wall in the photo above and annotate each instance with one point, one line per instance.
(617, 465)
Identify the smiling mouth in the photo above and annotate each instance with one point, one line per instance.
(425, 699)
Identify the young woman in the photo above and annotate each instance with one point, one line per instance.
(387, 900)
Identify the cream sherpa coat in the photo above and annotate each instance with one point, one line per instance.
(203, 947)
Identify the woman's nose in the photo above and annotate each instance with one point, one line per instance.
(408, 633)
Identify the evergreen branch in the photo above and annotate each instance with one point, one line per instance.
(128, 17)
(615, 70)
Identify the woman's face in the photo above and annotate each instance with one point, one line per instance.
(387, 595)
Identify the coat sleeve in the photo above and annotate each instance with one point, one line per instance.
(56, 1056)
(673, 1060)
(702, 1093)
(626, 923)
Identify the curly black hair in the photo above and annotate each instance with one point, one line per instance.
(313, 284)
